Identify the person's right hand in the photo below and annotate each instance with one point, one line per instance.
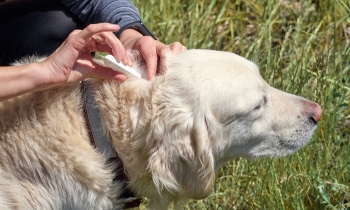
(153, 51)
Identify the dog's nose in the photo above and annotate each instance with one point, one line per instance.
(315, 112)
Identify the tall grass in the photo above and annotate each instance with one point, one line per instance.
(302, 47)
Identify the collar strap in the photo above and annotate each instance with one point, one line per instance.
(100, 141)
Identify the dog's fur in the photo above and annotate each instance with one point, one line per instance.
(172, 133)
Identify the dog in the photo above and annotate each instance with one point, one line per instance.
(172, 133)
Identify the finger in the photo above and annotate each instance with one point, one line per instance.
(107, 42)
(92, 29)
(86, 68)
(148, 48)
(162, 51)
(118, 49)
(107, 73)
(82, 40)
(151, 59)
(176, 47)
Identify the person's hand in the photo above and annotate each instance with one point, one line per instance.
(153, 51)
(72, 61)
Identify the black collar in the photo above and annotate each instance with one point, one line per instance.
(100, 141)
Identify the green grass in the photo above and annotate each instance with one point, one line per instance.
(301, 47)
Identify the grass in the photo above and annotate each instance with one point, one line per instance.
(302, 47)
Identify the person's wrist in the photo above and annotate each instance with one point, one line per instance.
(36, 76)
(41, 77)
(128, 37)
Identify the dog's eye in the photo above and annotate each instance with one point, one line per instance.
(261, 103)
(257, 107)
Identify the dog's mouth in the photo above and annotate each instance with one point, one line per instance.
(285, 144)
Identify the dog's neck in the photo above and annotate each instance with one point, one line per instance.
(124, 107)
(99, 139)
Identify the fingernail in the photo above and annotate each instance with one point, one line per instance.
(118, 58)
(116, 26)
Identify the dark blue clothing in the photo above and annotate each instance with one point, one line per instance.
(39, 27)
(122, 12)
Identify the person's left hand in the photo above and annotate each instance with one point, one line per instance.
(153, 51)
(72, 61)
(69, 64)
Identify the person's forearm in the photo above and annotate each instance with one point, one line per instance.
(17, 80)
(121, 12)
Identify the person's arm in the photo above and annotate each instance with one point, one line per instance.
(121, 12)
(17, 80)
(70, 63)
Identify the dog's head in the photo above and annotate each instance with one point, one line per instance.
(210, 107)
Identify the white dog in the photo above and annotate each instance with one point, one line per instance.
(172, 133)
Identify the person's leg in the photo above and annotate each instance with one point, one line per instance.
(29, 27)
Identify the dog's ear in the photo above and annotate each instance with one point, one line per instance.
(181, 159)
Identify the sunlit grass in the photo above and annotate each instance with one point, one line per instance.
(302, 48)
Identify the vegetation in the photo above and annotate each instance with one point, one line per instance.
(302, 47)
